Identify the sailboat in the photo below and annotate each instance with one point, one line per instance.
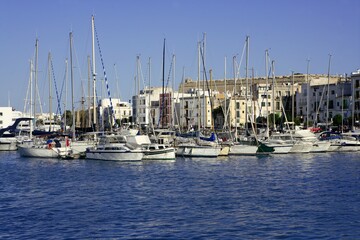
(38, 146)
(193, 143)
(246, 144)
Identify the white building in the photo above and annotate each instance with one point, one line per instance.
(122, 110)
(355, 79)
(323, 106)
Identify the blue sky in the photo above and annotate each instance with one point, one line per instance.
(293, 31)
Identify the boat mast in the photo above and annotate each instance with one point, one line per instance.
(267, 90)
(234, 69)
(308, 93)
(247, 84)
(65, 102)
(342, 106)
(149, 99)
(328, 94)
(50, 97)
(204, 64)
(182, 111)
(89, 94)
(94, 72)
(163, 87)
(199, 103)
(273, 92)
(292, 98)
(173, 95)
(72, 90)
(225, 95)
(137, 83)
(31, 97)
(36, 75)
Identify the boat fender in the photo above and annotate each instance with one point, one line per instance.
(67, 141)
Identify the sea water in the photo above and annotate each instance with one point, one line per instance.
(305, 196)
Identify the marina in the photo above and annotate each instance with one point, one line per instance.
(297, 196)
(180, 120)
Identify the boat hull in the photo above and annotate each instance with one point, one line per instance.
(41, 152)
(8, 144)
(198, 151)
(114, 155)
(243, 149)
(161, 154)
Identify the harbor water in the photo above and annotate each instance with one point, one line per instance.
(305, 196)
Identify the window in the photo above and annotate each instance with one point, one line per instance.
(1, 113)
(332, 92)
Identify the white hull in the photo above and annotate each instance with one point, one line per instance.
(320, 146)
(301, 147)
(80, 147)
(197, 151)
(280, 148)
(243, 149)
(166, 154)
(42, 152)
(107, 155)
(8, 144)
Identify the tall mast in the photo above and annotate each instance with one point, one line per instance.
(267, 89)
(163, 87)
(199, 103)
(353, 105)
(204, 64)
(89, 94)
(50, 97)
(308, 93)
(182, 111)
(342, 105)
(149, 93)
(72, 90)
(328, 94)
(251, 97)
(137, 83)
(173, 95)
(94, 71)
(247, 84)
(225, 95)
(292, 98)
(31, 96)
(65, 102)
(234, 69)
(36, 74)
(273, 91)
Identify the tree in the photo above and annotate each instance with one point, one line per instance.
(337, 120)
(68, 117)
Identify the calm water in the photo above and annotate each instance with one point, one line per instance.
(280, 197)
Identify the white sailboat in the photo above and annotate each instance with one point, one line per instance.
(38, 147)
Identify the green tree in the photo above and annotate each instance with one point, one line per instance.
(337, 120)
(68, 117)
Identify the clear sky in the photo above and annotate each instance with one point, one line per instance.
(293, 31)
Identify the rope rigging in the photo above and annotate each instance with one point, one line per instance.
(105, 77)
(56, 89)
